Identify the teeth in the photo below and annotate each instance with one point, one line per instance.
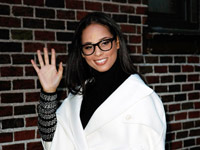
(101, 61)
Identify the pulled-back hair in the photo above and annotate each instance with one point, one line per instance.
(77, 69)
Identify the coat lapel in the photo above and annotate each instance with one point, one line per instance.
(76, 126)
(126, 95)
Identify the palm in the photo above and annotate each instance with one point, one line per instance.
(48, 75)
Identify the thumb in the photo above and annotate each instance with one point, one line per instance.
(60, 70)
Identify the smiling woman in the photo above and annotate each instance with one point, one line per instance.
(109, 106)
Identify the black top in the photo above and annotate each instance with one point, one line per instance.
(104, 84)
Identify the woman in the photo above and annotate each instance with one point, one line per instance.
(109, 107)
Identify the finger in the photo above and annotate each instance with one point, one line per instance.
(60, 70)
(53, 57)
(46, 57)
(35, 66)
(40, 58)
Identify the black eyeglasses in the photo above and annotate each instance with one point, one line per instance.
(104, 45)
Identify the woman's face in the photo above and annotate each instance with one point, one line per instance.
(100, 60)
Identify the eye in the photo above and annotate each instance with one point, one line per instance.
(105, 42)
(88, 47)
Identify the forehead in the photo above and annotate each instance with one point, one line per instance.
(94, 32)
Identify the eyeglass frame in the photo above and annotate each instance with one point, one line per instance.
(97, 44)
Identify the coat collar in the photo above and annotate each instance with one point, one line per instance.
(126, 95)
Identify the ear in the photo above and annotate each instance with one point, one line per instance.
(117, 42)
(83, 55)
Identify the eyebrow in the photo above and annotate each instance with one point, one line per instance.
(104, 38)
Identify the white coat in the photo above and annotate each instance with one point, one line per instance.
(131, 118)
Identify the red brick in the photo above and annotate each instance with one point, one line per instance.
(55, 24)
(187, 106)
(166, 79)
(93, 6)
(22, 59)
(38, 134)
(193, 59)
(74, 4)
(24, 135)
(194, 114)
(161, 89)
(127, 9)
(11, 71)
(30, 71)
(33, 23)
(144, 20)
(195, 132)
(188, 125)
(81, 14)
(32, 97)
(139, 30)
(152, 79)
(198, 141)
(62, 58)
(141, 10)
(24, 110)
(33, 47)
(23, 84)
(160, 69)
(60, 48)
(135, 1)
(5, 59)
(182, 135)
(44, 35)
(128, 28)
(6, 137)
(14, 147)
(176, 145)
(174, 107)
(181, 116)
(6, 111)
(34, 3)
(22, 11)
(5, 85)
(187, 87)
(10, 22)
(111, 7)
(62, 14)
(167, 98)
(192, 96)
(132, 49)
(135, 39)
(33, 121)
(187, 68)
(34, 146)
(175, 126)
(11, 1)
(197, 105)
(145, 69)
(12, 97)
(193, 77)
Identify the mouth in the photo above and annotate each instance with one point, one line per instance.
(101, 61)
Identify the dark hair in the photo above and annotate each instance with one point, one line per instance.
(78, 71)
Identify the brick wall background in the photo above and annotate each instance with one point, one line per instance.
(27, 25)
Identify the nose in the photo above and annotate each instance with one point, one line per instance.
(97, 51)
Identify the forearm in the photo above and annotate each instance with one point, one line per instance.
(47, 120)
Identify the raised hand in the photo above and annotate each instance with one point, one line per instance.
(48, 75)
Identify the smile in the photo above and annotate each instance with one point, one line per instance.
(101, 61)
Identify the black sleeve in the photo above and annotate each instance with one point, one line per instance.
(47, 120)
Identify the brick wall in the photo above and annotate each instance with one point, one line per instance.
(27, 25)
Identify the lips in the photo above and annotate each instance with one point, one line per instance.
(101, 61)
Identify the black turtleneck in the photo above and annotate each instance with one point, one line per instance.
(104, 84)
